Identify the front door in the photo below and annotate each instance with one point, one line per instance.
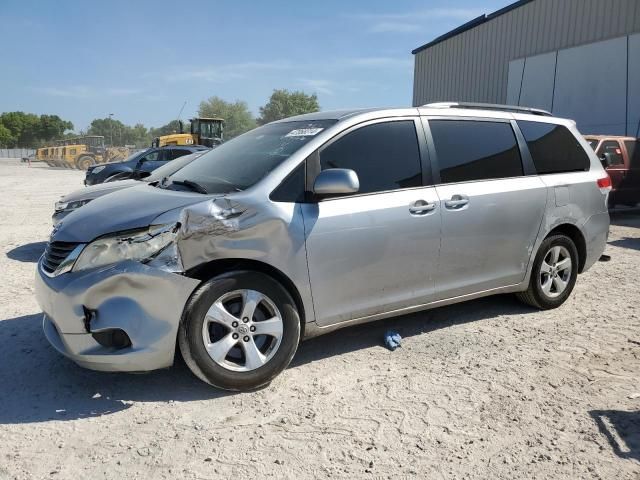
(375, 251)
(491, 212)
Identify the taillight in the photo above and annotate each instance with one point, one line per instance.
(604, 183)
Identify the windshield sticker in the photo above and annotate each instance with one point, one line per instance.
(304, 132)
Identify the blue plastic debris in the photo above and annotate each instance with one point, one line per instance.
(392, 340)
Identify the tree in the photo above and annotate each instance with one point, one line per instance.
(284, 103)
(52, 127)
(172, 127)
(6, 139)
(236, 115)
(122, 134)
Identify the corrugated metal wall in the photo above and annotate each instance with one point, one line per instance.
(473, 66)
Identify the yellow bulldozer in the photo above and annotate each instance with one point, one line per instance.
(204, 131)
(80, 152)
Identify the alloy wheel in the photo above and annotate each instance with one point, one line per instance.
(555, 271)
(242, 330)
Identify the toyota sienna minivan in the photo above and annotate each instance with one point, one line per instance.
(318, 222)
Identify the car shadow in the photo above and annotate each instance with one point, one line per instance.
(31, 252)
(39, 384)
(371, 334)
(625, 218)
(621, 429)
(627, 242)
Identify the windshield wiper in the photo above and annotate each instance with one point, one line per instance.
(196, 187)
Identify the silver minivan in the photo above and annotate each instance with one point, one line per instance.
(318, 222)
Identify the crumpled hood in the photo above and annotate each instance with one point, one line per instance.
(127, 209)
(95, 191)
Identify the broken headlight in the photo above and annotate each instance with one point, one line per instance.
(137, 245)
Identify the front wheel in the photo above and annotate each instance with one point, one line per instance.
(84, 162)
(554, 273)
(239, 330)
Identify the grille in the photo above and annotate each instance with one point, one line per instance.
(55, 253)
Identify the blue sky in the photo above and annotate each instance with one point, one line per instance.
(141, 60)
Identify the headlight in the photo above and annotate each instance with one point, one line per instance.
(98, 169)
(137, 245)
(60, 206)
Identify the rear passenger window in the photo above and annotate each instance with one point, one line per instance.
(469, 150)
(553, 148)
(614, 149)
(385, 156)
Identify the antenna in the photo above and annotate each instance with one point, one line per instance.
(180, 112)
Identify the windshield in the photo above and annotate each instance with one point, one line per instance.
(135, 155)
(172, 167)
(209, 130)
(240, 163)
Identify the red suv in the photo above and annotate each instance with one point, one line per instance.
(620, 156)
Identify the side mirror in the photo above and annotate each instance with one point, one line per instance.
(336, 181)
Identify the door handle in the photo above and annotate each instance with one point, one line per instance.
(456, 202)
(420, 207)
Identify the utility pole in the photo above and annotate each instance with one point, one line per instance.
(111, 129)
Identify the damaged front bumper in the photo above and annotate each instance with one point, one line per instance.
(82, 309)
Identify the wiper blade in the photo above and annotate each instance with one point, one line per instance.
(196, 187)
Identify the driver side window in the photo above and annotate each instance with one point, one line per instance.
(384, 155)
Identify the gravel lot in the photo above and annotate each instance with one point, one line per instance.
(486, 389)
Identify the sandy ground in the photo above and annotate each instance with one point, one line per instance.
(487, 389)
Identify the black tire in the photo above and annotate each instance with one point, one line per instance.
(534, 295)
(84, 162)
(190, 335)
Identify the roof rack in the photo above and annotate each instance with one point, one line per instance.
(490, 106)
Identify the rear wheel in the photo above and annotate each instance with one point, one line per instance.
(553, 275)
(239, 330)
(84, 162)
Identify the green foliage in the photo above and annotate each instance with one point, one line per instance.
(172, 127)
(284, 103)
(29, 130)
(6, 139)
(19, 129)
(116, 133)
(236, 115)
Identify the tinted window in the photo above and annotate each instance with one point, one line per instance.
(593, 143)
(469, 150)
(633, 150)
(553, 148)
(175, 153)
(613, 148)
(385, 156)
(292, 188)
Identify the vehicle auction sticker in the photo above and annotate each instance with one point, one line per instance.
(304, 132)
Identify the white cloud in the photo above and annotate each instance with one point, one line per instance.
(222, 73)
(409, 22)
(394, 27)
(84, 91)
(326, 87)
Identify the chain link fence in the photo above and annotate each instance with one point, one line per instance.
(16, 152)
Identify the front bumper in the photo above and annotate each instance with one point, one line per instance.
(145, 302)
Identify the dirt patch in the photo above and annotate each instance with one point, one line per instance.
(486, 389)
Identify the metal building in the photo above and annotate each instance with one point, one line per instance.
(578, 58)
